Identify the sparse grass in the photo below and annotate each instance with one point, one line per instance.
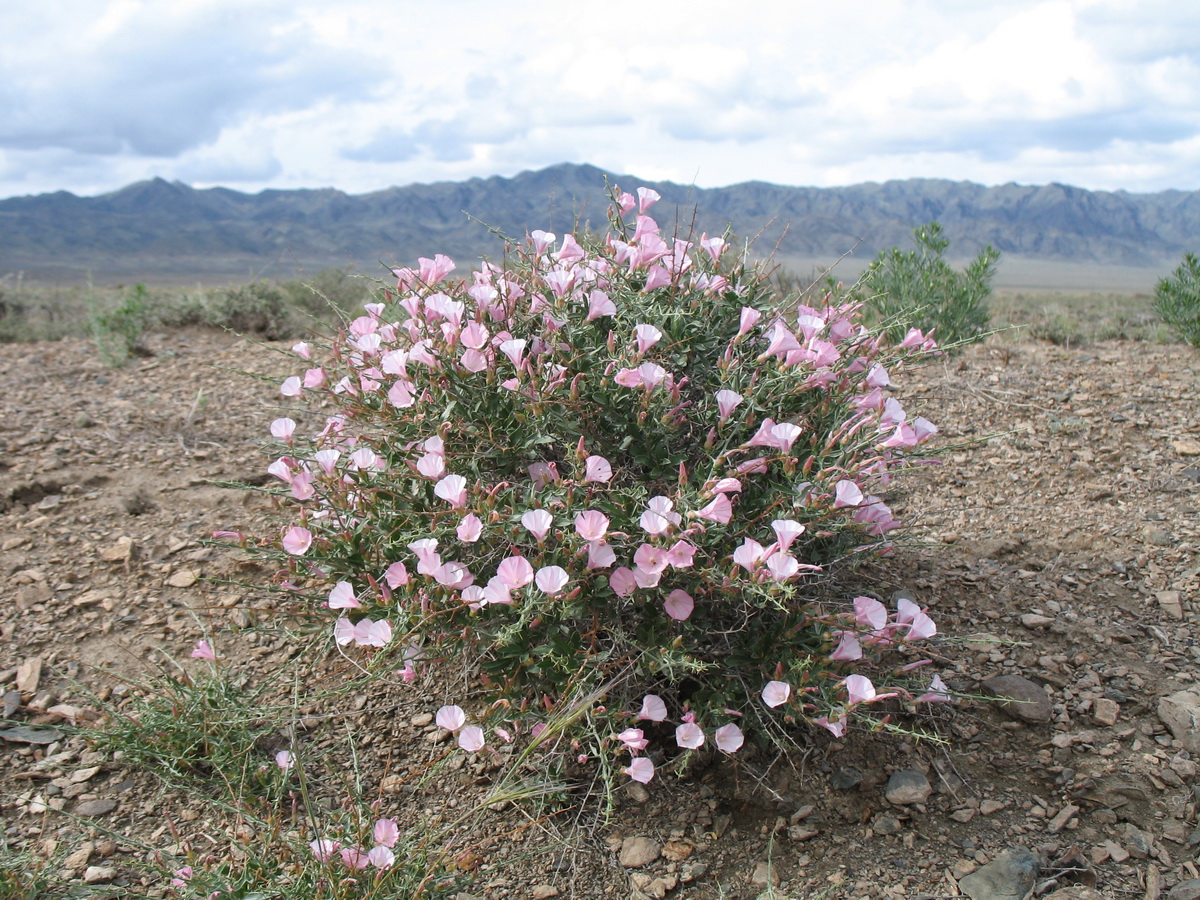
(1073, 320)
(118, 316)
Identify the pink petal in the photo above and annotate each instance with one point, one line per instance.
(537, 522)
(204, 651)
(729, 738)
(515, 572)
(622, 581)
(591, 525)
(469, 528)
(451, 718)
(719, 511)
(386, 832)
(653, 709)
(597, 469)
(342, 596)
(679, 605)
(689, 736)
(859, 689)
(471, 738)
(551, 579)
(776, 693)
(640, 769)
(297, 540)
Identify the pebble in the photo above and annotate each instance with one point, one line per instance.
(1009, 876)
(1020, 698)
(1185, 890)
(906, 787)
(1171, 603)
(93, 808)
(99, 874)
(637, 792)
(1105, 711)
(988, 807)
(846, 778)
(638, 851)
(1180, 712)
(765, 874)
(678, 850)
(543, 891)
(1033, 620)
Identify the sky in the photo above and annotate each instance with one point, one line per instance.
(364, 94)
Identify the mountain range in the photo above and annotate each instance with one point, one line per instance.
(167, 231)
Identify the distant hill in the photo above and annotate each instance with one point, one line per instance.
(166, 231)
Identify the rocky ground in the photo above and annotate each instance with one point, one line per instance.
(1056, 546)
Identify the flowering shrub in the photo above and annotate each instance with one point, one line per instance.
(613, 468)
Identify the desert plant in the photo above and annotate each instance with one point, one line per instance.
(609, 476)
(1177, 300)
(918, 288)
(119, 332)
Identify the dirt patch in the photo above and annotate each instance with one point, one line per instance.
(1055, 542)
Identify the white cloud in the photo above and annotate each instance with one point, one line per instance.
(256, 93)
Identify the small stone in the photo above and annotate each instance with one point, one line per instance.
(906, 787)
(99, 874)
(421, 720)
(184, 578)
(80, 857)
(1105, 711)
(81, 775)
(93, 808)
(638, 851)
(1171, 603)
(543, 891)
(1180, 712)
(27, 734)
(886, 825)
(765, 873)
(1185, 890)
(121, 551)
(1010, 876)
(963, 815)
(1020, 698)
(846, 778)
(1034, 621)
(1186, 447)
(12, 702)
(29, 673)
(1116, 852)
(678, 850)
(1061, 818)
(988, 807)
(391, 784)
(661, 886)
(1137, 842)
(637, 792)
(1160, 537)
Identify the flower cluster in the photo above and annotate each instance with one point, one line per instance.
(605, 462)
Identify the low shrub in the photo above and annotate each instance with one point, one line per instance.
(907, 288)
(119, 331)
(1177, 300)
(610, 478)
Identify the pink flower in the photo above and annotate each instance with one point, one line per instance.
(451, 718)
(919, 624)
(600, 555)
(302, 350)
(432, 465)
(647, 197)
(647, 336)
(284, 760)
(283, 429)
(848, 648)
(782, 566)
(729, 738)
(452, 489)
(297, 540)
(653, 709)
(551, 579)
(679, 605)
(859, 689)
(291, 387)
(681, 555)
(542, 240)
(600, 305)
(515, 572)
(381, 857)
(471, 738)
(324, 850)
(597, 469)
(537, 522)
(469, 528)
(749, 319)
(870, 613)
(719, 511)
(650, 559)
(544, 473)
(434, 270)
(727, 401)
(354, 858)
(689, 736)
(622, 581)
(749, 554)
(204, 651)
(396, 575)
(591, 525)
(877, 377)
(837, 729)
(786, 531)
(634, 739)
(640, 769)
(342, 596)
(938, 692)
(181, 877)
(386, 832)
(776, 693)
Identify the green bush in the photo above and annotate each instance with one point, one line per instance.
(1177, 300)
(120, 332)
(918, 288)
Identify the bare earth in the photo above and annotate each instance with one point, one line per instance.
(1062, 549)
